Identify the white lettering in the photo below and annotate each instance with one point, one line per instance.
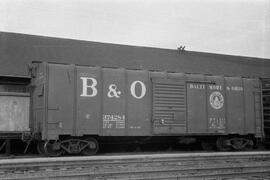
(113, 121)
(113, 91)
(235, 88)
(197, 86)
(217, 123)
(86, 86)
(215, 87)
(132, 89)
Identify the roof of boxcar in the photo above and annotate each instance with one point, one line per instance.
(19, 50)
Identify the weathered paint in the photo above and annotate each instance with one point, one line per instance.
(39, 100)
(14, 113)
(216, 99)
(266, 107)
(169, 106)
(81, 100)
(60, 106)
(114, 102)
(138, 109)
(88, 107)
(235, 105)
(197, 102)
(249, 110)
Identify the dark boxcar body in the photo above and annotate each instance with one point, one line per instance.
(80, 101)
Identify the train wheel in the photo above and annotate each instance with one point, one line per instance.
(222, 144)
(249, 147)
(53, 149)
(91, 148)
(208, 146)
(41, 148)
(242, 144)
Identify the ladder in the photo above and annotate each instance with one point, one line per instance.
(266, 107)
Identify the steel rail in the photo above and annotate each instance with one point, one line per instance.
(170, 163)
(159, 173)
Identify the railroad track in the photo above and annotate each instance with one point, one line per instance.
(157, 166)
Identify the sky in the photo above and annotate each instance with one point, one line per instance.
(235, 27)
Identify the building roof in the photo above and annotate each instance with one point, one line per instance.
(19, 50)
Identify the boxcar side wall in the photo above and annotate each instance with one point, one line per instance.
(14, 112)
(14, 107)
(81, 100)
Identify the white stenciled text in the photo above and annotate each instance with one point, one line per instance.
(90, 89)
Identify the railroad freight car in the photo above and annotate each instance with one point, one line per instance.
(14, 110)
(77, 107)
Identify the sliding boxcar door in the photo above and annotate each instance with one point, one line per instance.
(169, 106)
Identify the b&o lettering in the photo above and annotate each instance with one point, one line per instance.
(113, 92)
(133, 87)
(89, 87)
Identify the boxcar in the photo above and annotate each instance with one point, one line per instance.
(76, 107)
(14, 110)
